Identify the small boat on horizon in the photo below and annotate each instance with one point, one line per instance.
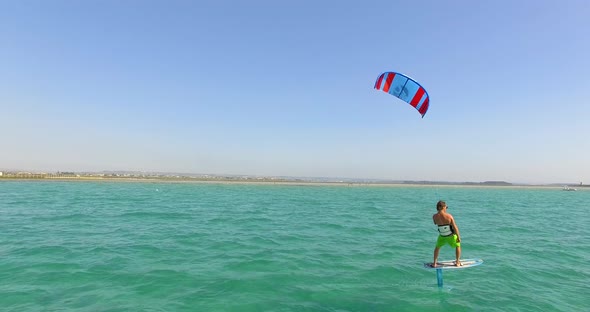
(567, 188)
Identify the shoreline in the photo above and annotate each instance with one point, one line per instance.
(270, 182)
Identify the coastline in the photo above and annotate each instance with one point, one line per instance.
(236, 181)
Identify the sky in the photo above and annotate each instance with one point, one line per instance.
(285, 88)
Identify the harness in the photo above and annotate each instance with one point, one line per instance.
(445, 230)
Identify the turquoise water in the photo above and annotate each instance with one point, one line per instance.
(85, 246)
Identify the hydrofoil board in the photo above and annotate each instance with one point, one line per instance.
(450, 264)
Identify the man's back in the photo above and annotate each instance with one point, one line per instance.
(442, 218)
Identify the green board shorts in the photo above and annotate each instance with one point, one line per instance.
(451, 240)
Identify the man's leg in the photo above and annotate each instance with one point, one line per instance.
(436, 251)
(458, 256)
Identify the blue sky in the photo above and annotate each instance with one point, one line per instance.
(286, 88)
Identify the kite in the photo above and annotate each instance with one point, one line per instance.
(404, 88)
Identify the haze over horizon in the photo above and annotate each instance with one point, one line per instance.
(286, 89)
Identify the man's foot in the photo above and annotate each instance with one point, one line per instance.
(434, 265)
(458, 263)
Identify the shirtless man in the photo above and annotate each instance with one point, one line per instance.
(448, 232)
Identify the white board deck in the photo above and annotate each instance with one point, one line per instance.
(450, 264)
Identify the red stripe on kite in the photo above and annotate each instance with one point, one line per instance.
(388, 82)
(424, 107)
(417, 97)
(378, 83)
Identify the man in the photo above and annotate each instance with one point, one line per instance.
(448, 232)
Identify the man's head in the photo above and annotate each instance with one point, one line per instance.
(441, 205)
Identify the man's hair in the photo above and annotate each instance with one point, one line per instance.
(440, 205)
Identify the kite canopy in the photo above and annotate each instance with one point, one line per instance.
(404, 88)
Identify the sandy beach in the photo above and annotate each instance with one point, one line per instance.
(253, 181)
